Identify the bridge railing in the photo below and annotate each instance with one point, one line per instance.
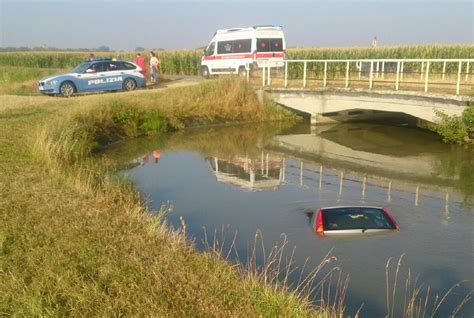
(434, 75)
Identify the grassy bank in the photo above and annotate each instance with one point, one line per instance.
(73, 242)
(186, 62)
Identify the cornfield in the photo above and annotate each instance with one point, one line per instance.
(186, 62)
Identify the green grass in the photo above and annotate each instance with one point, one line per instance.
(74, 242)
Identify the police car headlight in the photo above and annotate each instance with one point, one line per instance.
(52, 83)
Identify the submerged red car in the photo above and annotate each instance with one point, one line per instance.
(353, 220)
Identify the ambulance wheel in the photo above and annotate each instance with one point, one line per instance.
(242, 71)
(129, 85)
(205, 72)
(67, 89)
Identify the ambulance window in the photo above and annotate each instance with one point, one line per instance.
(263, 45)
(276, 45)
(270, 45)
(242, 46)
(211, 48)
(224, 47)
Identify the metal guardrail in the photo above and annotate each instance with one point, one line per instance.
(376, 69)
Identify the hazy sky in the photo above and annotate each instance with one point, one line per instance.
(181, 24)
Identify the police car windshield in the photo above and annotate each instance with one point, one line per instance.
(81, 68)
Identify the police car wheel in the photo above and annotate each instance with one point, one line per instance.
(242, 71)
(205, 72)
(129, 84)
(67, 89)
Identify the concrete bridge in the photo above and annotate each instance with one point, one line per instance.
(345, 90)
(326, 106)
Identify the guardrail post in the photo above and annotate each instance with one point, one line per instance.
(286, 73)
(426, 76)
(402, 66)
(304, 73)
(301, 173)
(359, 66)
(458, 82)
(320, 177)
(325, 73)
(444, 70)
(397, 82)
(467, 71)
(383, 69)
(263, 75)
(377, 69)
(269, 81)
(371, 74)
(422, 70)
(284, 170)
(347, 74)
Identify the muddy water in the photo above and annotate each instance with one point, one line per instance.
(270, 178)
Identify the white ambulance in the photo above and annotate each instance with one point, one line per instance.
(240, 50)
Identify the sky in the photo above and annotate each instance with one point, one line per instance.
(179, 24)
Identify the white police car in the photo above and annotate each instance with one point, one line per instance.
(93, 76)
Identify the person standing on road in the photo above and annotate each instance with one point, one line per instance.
(154, 64)
(140, 61)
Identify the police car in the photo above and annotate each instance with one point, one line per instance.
(104, 74)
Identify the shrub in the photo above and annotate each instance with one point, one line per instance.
(468, 120)
(451, 128)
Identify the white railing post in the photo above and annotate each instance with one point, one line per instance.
(467, 71)
(402, 66)
(426, 76)
(444, 70)
(383, 69)
(458, 82)
(377, 68)
(347, 74)
(325, 73)
(263, 75)
(286, 73)
(304, 73)
(371, 74)
(269, 81)
(422, 70)
(397, 82)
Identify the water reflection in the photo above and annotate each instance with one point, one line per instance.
(249, 178)
(247, 173)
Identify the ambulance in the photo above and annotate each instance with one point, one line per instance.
(240, 50)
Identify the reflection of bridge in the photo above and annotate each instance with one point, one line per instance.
(247, 173)
(353, 96)
(276, 169)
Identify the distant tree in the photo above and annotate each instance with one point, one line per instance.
(103, 48)
(139, 49)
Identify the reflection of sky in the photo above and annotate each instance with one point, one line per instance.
(437, 245)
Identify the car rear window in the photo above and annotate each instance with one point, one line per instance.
(270, 45)
(352, 218)
(128, 66)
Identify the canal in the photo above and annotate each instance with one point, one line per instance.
(268, 179)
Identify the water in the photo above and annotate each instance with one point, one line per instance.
(269, 178)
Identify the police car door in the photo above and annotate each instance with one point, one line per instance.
(94, 77)
(114, 75)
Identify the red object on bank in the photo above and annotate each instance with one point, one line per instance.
(140, 61)
(156, 154)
